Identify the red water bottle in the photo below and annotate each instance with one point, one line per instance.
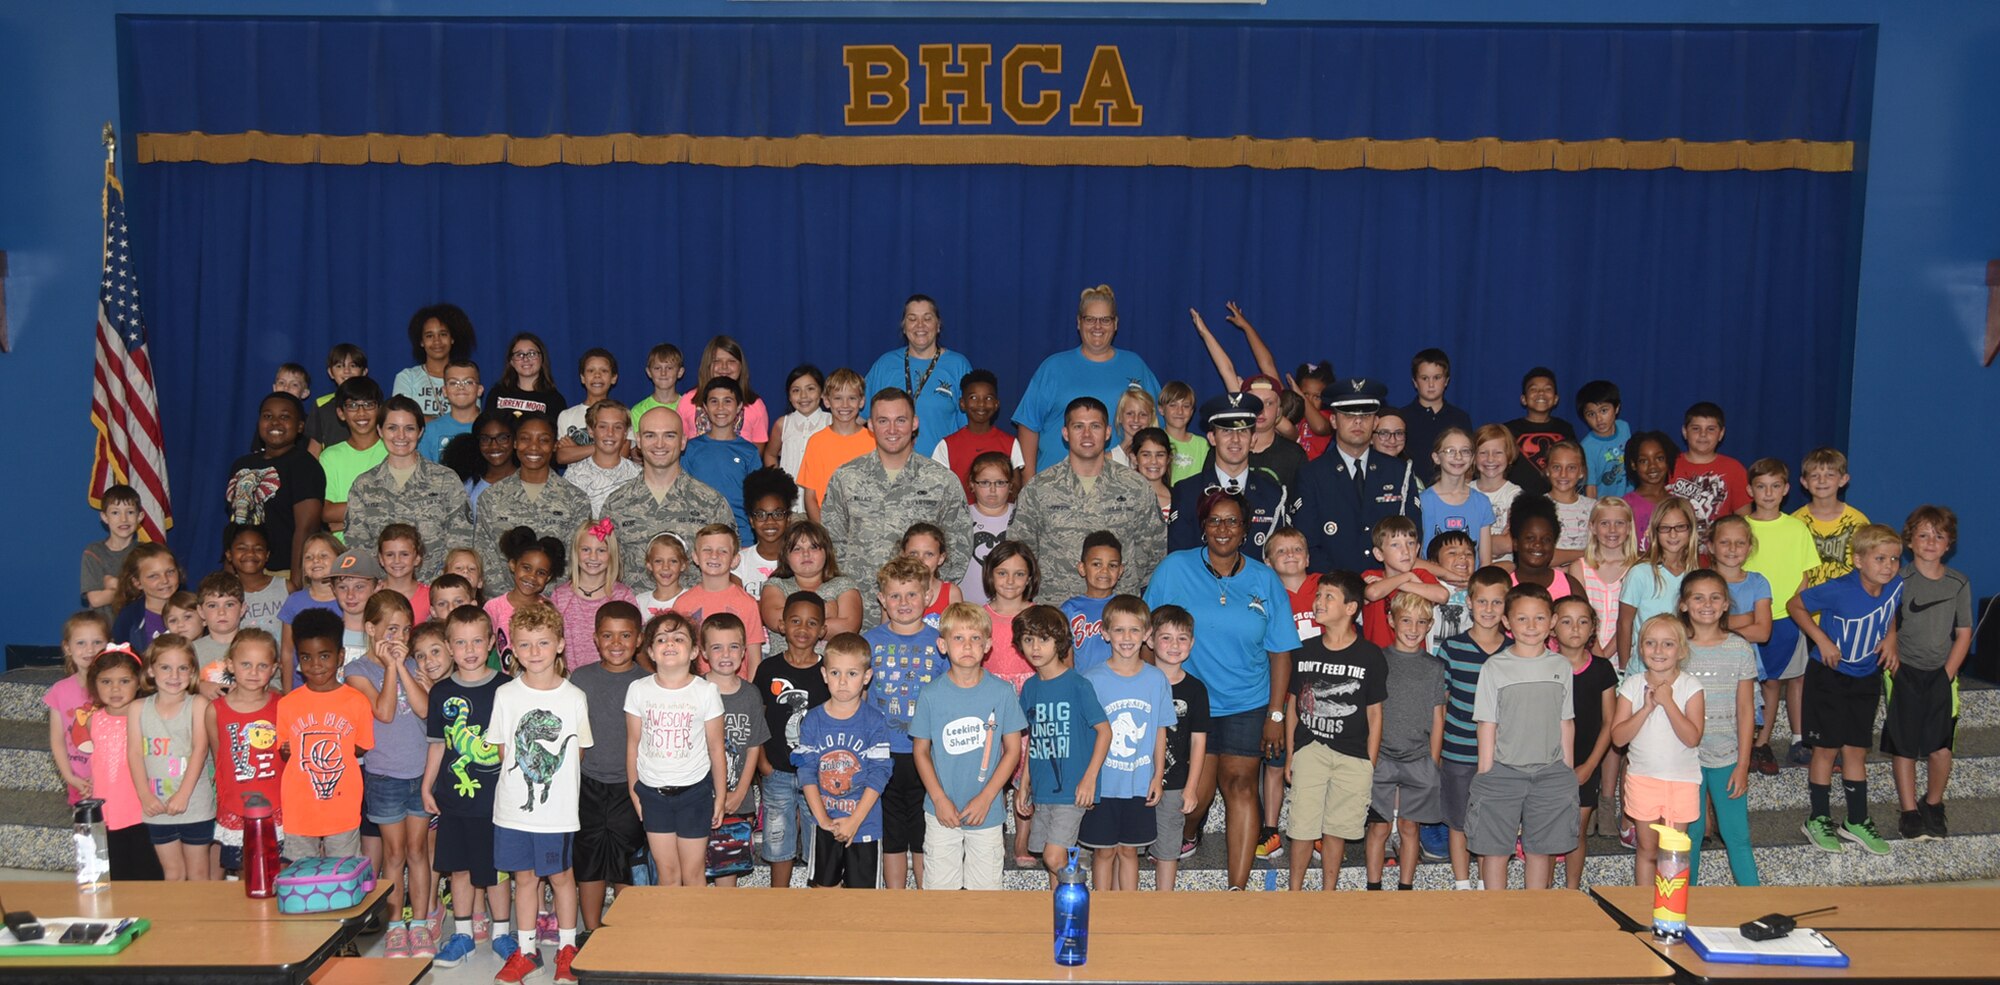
(260, 848)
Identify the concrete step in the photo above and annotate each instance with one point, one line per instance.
(25, 763)
(35, 830)
(21, 693)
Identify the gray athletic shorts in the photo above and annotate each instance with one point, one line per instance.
(1167, 821)
(1408, 790)
(1536, 805)
(1454, 788)
(1054, 824)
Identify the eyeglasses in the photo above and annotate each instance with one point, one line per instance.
(524, 354)
(1448, 452)
(1397, 435)
(991, 483)
(1223, 521)
(360, 405)
(496, 439)
(1098, 321)
(769, 514)
(461, 384)
(1674, 528)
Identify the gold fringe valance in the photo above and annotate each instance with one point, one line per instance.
(941, 149)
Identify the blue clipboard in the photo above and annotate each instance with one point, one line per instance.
(1727, 945)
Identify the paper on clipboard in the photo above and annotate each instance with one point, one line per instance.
(1727, 945)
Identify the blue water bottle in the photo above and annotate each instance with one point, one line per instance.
(1072, 914)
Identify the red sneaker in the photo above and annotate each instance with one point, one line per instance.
(518, 967)
(564, 976)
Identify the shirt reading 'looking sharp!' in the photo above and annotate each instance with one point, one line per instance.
(967, 727)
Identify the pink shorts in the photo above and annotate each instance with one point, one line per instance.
(1652, 799)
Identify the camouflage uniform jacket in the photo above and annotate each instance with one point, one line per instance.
(561, 509)
(1054, 514)
(866, 515)
(688, 506)
(433, 501)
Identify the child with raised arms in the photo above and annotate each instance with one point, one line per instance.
(1593, 693)
(1333, 713)
(540, 724)
(461, 769)
(842, 757)
(1725, 665)
(1172, 641)
(966, 741)
(1659, 721)
(609, 836)
(1404, 784)
(790, 686)
(1525, 791)
(84, 636)
(1068, 738)
(744, 733)
(325, 729)
(675, 752)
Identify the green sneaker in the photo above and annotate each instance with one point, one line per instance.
(1865, 835)
(1819, 831)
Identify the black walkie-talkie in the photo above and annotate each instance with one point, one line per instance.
(21, 924)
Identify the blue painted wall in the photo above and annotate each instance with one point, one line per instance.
(1925, 417)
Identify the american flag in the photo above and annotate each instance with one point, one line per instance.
(123, 405)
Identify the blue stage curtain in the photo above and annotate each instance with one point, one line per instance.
(1679, 285)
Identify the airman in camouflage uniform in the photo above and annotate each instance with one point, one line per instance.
(663, 498)
(558, 512)
(1057, 509)
(866, 512)
(432, 500)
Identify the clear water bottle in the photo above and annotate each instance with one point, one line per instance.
(1670, 886)
(1072, 914)
(93, 852)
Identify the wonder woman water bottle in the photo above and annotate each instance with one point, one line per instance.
(1670, 886)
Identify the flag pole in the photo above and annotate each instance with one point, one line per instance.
(109, 136)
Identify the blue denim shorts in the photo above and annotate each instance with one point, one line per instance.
(388, 800)
(195, 833)
(788, 821)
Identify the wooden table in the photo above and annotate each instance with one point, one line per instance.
(841, 936)
(1861, 907)
(1929, 956)
(201, 932)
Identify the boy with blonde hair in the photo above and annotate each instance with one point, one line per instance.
(843, 440)
(966, 740)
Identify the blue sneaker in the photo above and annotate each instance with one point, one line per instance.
(506, 945)
(455, 950)
(1436, 842)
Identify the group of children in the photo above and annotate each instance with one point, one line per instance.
(1576, 620)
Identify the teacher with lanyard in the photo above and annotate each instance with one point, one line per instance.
(1243, 640)
(1094, 369)
(927, 371)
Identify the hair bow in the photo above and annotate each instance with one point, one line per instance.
(601, 529)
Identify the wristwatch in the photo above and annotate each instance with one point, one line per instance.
(1278, 716)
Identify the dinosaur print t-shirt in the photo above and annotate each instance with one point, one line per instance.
(470, 769)
(323, 730)
(541, 735)
(1333, 689)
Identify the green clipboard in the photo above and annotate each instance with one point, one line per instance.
(43, 952)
